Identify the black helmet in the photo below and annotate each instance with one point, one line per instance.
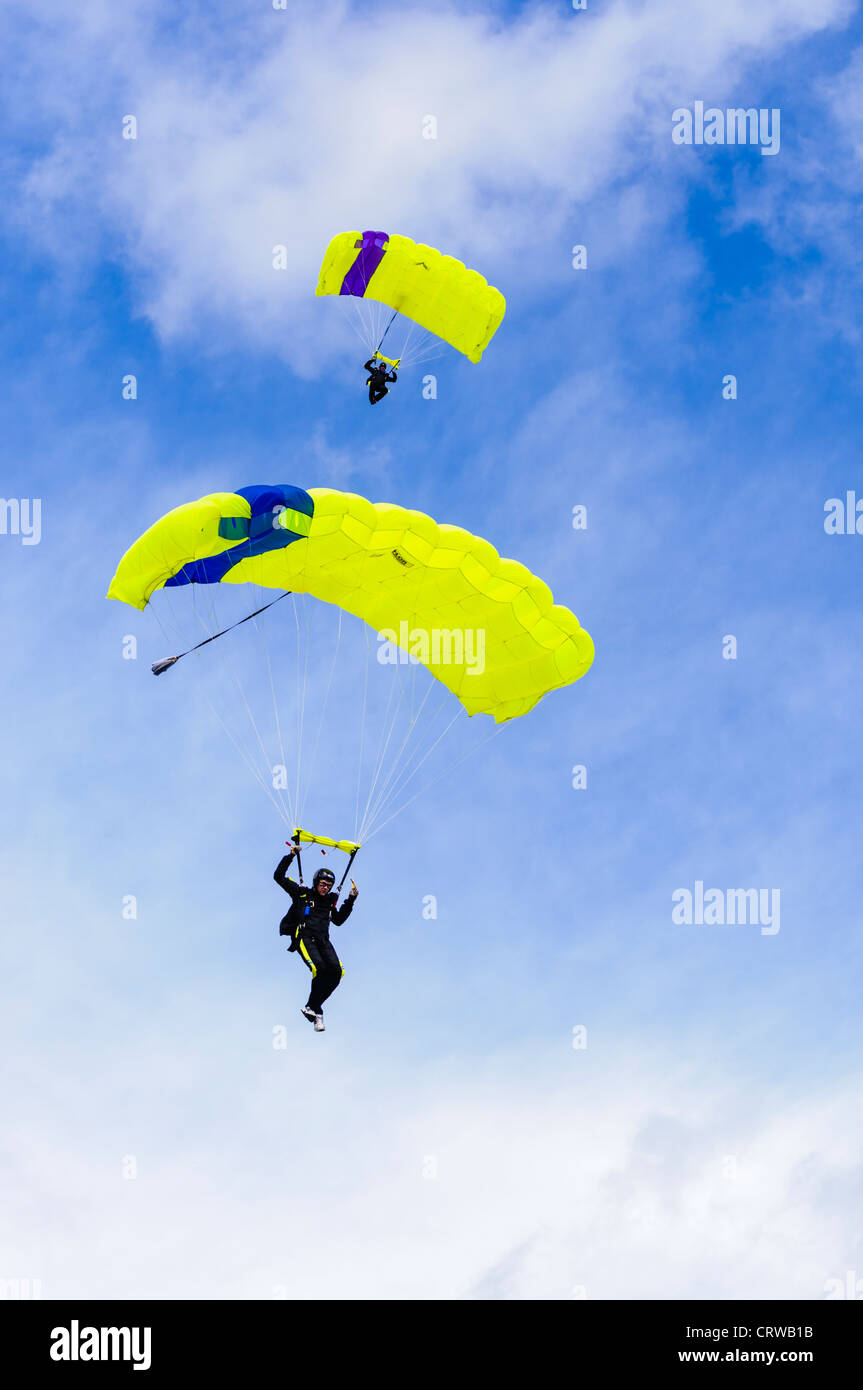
(323, 875)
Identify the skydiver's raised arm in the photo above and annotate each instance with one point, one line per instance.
(341, 914)
(281, 876)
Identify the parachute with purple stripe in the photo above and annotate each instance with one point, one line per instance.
(371, 253)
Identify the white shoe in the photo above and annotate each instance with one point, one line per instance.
(319, 1023)
(308, 1013)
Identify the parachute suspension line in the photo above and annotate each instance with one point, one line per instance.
(416, 710)
(388, 724)
(386, 330)
(413, 688)
(396, 766)
(168, 624)
(301, 807)
(159, 666)
(298, 701)
(368, 322)
(255, 771)
(428, 356)
(308, 612)
(261, 630)
(408, 770)
(362, 326)
(423, 729)
(376, 326)
(410, 351)
(417, 728)
(362, 735)
(250, 763)
(232, 672)
(424, 349)
(382, 744)
(420, 345)
(238, 685)
(243, 752)
(469, 754)
(302, 687)
(229, 674)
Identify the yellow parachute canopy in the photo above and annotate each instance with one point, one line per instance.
(486, 628)
(436, 291)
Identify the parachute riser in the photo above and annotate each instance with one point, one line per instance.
(296, 839)
(347, 870)
(377, 352)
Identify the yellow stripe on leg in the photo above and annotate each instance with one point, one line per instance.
(307, 958)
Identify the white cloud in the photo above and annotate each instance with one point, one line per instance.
(305, 1168)
(315, 126)
(532, 1176)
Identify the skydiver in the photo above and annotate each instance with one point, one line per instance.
(378, 378)
(307, 922)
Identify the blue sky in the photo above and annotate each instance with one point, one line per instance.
(443, 1138)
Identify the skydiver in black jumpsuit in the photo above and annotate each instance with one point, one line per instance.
(378, 378)
(307, 922)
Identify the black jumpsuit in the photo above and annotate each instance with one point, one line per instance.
(377, 382)
(308, 922)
